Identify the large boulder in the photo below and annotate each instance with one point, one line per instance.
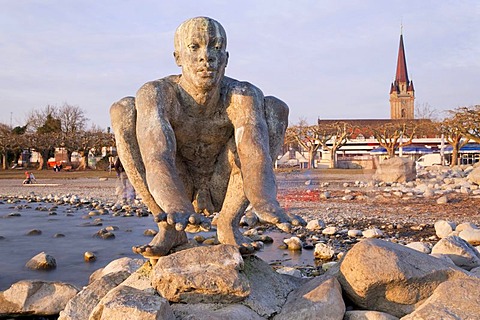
(320, 298)
(201, 274)
(388, 277)
(81, 305)
(31, 297)
(453, 299)
(121, 264)
(210, 311)
(42, 261)
(397, 169)
(268, 289)
(474, 176)
(463, 254)
(367, 315)
(125, 302)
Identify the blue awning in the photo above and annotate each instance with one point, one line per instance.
(410, 149)
(468, 148)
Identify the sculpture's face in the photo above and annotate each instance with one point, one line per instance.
(201, 52)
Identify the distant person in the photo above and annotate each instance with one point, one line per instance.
(32, 178)
(27, 178)
(124, 190)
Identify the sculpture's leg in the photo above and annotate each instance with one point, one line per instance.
(235, 203)
(123, 116)
(233, 208)
(124, 121)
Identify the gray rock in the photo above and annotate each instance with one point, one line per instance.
(202, 311)
(420, 246)
(268, 289)
(31, 297)
(323, 251)
(293, 243)
(442, 200)
(42, 261)
(443, 228)
(453, 299)
(201, 275)
(472, 236)
(122, 264)
(81, 305)
(474, 176)
(126, 302)
(461, 252)
(388, 277)
(368, 315)
(373, 233)
(397, 169)
(320, 298)
(315, 225)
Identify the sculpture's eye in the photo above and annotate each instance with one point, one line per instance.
(193, 46)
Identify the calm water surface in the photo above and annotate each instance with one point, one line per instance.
(16, 247)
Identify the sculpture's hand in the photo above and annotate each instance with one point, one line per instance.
(182, 220)
(273, 214)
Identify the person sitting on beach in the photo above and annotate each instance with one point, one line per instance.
(27, 180)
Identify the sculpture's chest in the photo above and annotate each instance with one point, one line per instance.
(202, 135)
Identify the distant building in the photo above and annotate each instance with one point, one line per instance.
(358, 150)
(402, 93)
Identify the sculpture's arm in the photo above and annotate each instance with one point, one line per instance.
(247, 113)
(156, 140)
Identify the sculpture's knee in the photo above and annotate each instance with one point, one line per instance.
(276, 114)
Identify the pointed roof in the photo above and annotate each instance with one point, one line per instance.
(402, 75)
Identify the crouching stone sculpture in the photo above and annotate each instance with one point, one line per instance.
(201, 142)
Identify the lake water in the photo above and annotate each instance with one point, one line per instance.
(16, 247)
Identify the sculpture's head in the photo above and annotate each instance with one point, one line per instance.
(200, 49)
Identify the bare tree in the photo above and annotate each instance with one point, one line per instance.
(393, 135)
(332, 136)
(37, 117)
(460, 127)
(426, 111)
(5, 140)
(307, 138)
(72, 118)
(468, 119)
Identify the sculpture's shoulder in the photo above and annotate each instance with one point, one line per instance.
(167, 85)
(240, 87)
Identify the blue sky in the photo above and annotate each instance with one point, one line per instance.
(328, 59)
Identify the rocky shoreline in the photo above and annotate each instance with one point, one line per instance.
(340, 211)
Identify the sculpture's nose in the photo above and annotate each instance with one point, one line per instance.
(206, 56)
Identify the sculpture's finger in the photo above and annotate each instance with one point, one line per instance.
(171, 219)
(160, 217)
(285, 227)
(194, 219)
(180, 226)
(205, 224)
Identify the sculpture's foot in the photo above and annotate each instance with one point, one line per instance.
(228, 234)
(165, 240)
(272, 214)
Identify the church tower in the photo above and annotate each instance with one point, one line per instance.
(402, 94)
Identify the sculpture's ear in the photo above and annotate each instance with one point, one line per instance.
(228, 55)
(178, 61)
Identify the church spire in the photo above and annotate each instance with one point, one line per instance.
(402, 75)
(402, 93)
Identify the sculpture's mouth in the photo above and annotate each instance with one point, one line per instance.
(206, 73)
